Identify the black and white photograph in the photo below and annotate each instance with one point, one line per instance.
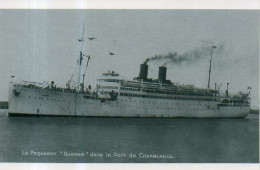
(129, 86)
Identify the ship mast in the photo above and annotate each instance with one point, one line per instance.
(79, 61)
(211, 52)
(81, 81)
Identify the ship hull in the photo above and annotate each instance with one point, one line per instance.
(33, 101)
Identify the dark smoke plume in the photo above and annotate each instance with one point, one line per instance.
(188, 57)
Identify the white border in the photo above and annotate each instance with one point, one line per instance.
(128, 4)
(132, 166)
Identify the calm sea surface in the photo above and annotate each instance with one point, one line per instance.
(74, 139)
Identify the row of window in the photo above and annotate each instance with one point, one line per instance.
(199, 104)
(108, 80)
(167, 108)
(178, 93)
(108, 87)
(169, 92)
(163, 97)
(163, 108)
(51, 99)
(129, 89)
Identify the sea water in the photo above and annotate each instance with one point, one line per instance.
(129, 140)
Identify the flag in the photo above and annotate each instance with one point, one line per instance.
(91, 38)
(110, 53)
(80, 40)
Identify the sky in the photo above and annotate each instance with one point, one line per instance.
(42, 45)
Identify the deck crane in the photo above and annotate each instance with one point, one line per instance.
(85, 72)
(69, 82)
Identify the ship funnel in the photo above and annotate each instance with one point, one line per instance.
(162, 74)
(143, 71)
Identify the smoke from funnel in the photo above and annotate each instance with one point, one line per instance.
(188, 57)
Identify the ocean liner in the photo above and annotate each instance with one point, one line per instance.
(117, 97)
